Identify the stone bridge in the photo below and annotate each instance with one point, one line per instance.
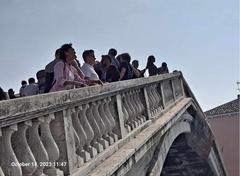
(148, 126)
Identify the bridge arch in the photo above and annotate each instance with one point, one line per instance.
(161, 151)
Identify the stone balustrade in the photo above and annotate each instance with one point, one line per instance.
(62, 132)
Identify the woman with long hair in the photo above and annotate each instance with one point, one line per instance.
(65, 75)
(152, 68)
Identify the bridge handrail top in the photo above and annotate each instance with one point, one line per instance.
(39, 105)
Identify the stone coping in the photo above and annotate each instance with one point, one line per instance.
(45, 103)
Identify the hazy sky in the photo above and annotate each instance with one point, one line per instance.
(198, 37)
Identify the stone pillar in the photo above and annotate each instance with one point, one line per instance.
(72, 159)
(123, 131)
(173, 89)
(147, 100)
(162, 95)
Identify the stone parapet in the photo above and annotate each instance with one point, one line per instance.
(63, 132)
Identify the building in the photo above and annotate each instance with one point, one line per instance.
(224, 122)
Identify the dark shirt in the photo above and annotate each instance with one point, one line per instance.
(112, 74)
(152, 70)
(129, 72)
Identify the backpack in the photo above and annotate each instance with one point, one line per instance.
(48, 81)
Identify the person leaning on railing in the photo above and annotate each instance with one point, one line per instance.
(65, 75)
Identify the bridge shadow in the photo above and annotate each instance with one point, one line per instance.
(182, 160)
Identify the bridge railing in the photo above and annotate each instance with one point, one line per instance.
(58, 133)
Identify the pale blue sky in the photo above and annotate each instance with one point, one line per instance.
(198, 37)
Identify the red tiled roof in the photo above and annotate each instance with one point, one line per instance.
(230, 107)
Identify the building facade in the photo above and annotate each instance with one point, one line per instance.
(224, 122)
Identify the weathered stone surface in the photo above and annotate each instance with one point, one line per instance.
(124, 128)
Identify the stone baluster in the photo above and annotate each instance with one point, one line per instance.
(138, 97)
(36, 145)
(77, 142)
(88, 130)
(136, 105)
(111, 118)
(177, 87)
(140, 116)
(101, 124)
(22, 149)
(7, 154)
(136, 108)
(131, 106)
(150, 98)
(80, 132)
(155, 97)
(158, 98)
(95, 127)
(50, 145)
(107, 122)
(128, 112)
(131, 111)
(167, 90)
(127, 122)
(173, 89)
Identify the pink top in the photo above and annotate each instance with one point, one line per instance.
(64, 72)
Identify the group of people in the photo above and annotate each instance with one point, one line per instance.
(65, 71)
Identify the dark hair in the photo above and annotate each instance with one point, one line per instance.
(119, 58)
(57, 52)
(107, 57)
(112, 52)
(87, 53)
(10, 91)
(135, 61)
(126, 57)
(23, 82)
(151, 60)
(65, 47)
(3, 95)
(164, 64)
(31, 80)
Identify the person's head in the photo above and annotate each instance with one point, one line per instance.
(112, 52)
(126, 57)
(31, 81)
(3, 95)
(151, 59)
(1, 91)
(10, 92)
(57, 53)
(164, 65)
(135, 63)
(106, 60)
(67, 53)
(119, 58)
(23, 83)
(89, 57)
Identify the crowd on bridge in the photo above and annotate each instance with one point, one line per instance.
(65, 72)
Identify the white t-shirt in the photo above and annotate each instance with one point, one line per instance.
(89, 72)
